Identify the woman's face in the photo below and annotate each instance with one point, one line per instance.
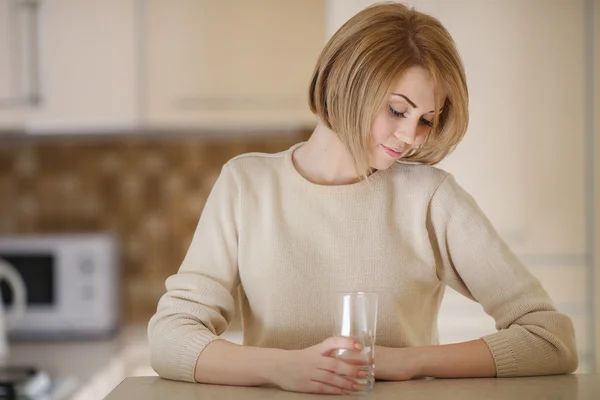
(404, 120)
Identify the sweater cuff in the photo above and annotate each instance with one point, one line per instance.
(504, 358)
(195, 343)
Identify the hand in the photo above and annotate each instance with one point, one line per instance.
(396, 364)
(314, 370)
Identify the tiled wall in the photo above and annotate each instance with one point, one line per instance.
(148, 190)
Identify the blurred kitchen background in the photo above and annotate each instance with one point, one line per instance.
(117, 115)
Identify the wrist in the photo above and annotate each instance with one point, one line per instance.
(399, 364)
(388, 363)
(418, 358)
(274, 361)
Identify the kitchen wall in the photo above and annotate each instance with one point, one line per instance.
(148, 190)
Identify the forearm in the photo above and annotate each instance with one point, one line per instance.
(460, 360)
(226, 363)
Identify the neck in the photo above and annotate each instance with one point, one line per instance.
(324, 160)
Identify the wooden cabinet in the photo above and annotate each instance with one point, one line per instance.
(229, 63)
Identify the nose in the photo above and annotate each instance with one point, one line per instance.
(407, 133)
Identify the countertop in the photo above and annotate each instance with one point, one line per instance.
(79, 365)
(571, 387)
(90, 369)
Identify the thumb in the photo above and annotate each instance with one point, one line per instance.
(332, 344)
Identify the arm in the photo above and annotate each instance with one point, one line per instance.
(199, 305)
(244, 366)
(533, 338)
(310, 370)
(458, 360)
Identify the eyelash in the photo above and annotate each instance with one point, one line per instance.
(398, 114)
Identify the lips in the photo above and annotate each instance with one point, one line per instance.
(393, 151)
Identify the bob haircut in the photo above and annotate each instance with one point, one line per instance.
(362, 61)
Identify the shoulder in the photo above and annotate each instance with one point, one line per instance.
(256, 160)
(437, 185)
(255, 166)
(440, 187)
(419, 175)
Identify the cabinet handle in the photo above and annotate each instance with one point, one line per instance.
(32, 97)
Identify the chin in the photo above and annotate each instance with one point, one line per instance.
(382, 164)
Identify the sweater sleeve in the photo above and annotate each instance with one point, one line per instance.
(533, 338)
(199, 304)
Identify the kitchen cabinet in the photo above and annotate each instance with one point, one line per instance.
(88, 67)
(14, 62)
(117, 65)
(229, 64)
(523, 157)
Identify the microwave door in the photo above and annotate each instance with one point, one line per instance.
(38, 274)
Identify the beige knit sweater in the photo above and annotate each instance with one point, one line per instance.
(289, 244)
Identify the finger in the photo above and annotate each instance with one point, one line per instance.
(331, 379)
(357, 360)
(339, 367)
(331, 344)
(323, 388)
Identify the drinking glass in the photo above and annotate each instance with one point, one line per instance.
(356, 317)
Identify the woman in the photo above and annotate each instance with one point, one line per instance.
(358, 207)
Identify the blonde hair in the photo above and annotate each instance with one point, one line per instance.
(366, 56)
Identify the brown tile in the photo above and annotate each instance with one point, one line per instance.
(7, 159)
(148, 192)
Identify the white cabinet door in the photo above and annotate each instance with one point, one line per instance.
(230, 63)
(11, 93)
(88, 66)
(523, 155)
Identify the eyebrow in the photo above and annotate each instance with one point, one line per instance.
(411, 102)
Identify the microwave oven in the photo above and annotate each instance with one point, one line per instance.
(72, 285)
